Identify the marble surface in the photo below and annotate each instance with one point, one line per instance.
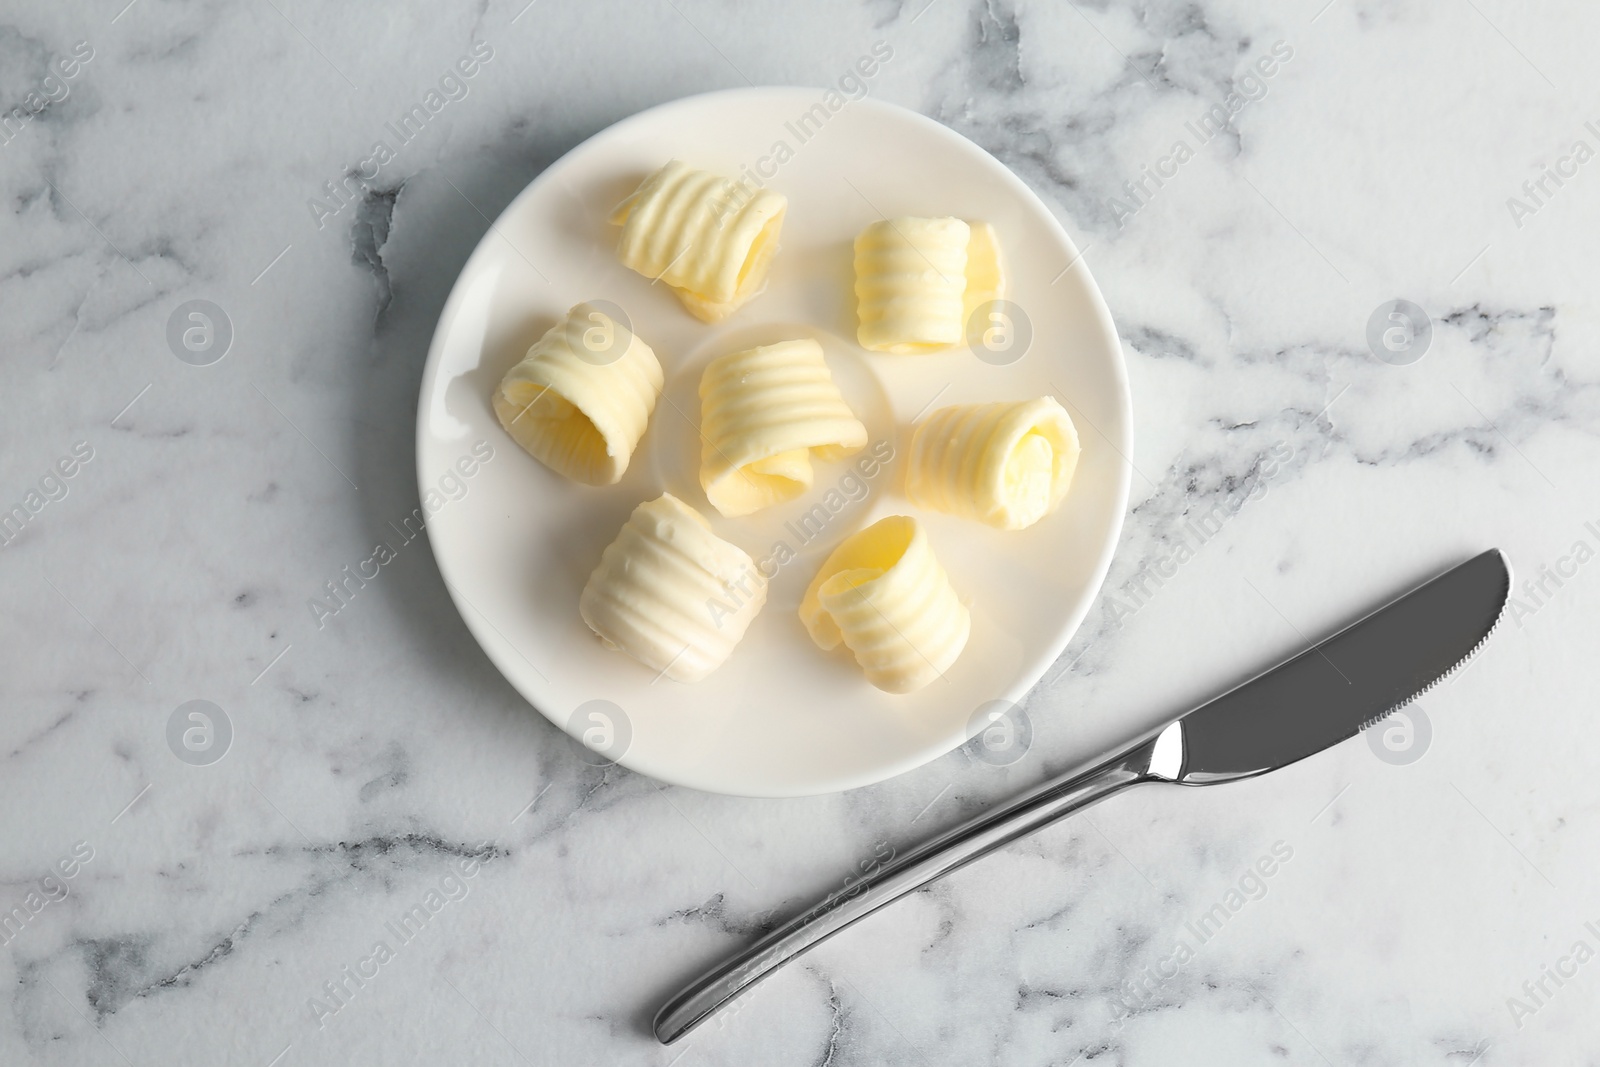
(1421, 912)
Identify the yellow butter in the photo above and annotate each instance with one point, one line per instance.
(986, 272)
(918, 281)
(707, 237)
(1007, 464)
(670, 593)
(764, 412)
(886, 598)
(581, 398)
(910, 283)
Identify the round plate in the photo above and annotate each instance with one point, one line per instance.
(516, 542)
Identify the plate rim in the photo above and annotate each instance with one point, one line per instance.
(1102, 320)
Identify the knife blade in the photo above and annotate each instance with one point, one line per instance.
(1360, 675)
(1323, 695)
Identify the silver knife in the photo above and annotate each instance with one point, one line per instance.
(1322, 696)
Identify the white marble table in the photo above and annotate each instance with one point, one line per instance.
(1421, 912)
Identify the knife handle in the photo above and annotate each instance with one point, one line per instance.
(1152, 758)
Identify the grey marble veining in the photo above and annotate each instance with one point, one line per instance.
(384, 786)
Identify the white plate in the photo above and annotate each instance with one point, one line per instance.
(780, 718)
